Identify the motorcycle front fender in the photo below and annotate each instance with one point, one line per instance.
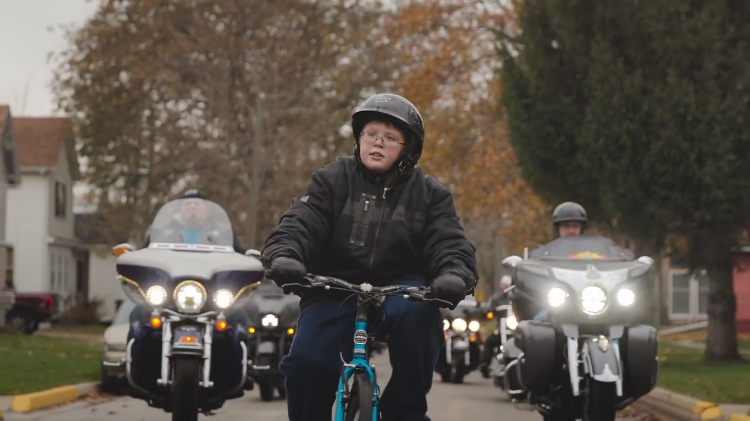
(187, 340)
(602, 363)
(267, 347)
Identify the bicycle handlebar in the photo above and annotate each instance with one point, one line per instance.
(316, 281)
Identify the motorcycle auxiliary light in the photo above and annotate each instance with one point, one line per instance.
(511, 322)
(156, 295)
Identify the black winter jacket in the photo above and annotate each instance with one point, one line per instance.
(349, 226)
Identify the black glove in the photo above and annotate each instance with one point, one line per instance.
(285, 270)
(449, 287)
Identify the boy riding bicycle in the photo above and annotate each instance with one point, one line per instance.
(372, 218)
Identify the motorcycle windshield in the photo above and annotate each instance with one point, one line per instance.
(192, 221)
(584, 247)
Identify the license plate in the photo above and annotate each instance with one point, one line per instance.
(459, 344)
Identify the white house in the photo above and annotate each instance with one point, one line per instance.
(9, 178)
(96, 265)
(39, 222)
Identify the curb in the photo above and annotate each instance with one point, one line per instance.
(46, 398)
(675, 406)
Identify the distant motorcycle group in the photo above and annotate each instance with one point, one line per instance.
(569, 347)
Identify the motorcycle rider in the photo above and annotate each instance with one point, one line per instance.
(372, 217)
(568, 219)
(493, 341)
(190, 227)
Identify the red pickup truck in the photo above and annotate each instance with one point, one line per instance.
(30, 309)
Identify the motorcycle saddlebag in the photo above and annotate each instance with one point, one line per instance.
(538, 342)
(145, 368)
(641, 365)
(226, 360)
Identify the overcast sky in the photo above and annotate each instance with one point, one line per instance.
(28, 33)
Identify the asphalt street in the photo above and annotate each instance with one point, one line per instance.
(476, 399)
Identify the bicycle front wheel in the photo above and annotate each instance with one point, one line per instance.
(362, 400)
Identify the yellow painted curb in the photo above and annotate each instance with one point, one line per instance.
(701, 406)
(43, 399)
(714, 413)
(739, 417)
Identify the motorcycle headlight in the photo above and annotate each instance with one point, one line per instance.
(593, 300)
(459, 325)
(446, 324)
(511, 323)
(156, 295)
(223, 298)
(556, 297)
(190, 296)
(269, 320)
(625, 297)
(474, 326)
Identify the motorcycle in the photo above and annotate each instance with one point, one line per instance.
(462, 350)
(588, 359)
(273, 320)
(506, 352)
(188, 358)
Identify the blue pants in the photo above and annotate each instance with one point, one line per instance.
(541, 317)
(326, 327)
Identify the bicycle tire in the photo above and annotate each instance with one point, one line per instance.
(362, 399)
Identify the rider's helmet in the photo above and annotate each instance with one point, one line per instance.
(192, 194)
(398, 111)
(569, 212)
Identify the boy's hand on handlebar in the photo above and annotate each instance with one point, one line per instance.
(450, 288)
(285, 270)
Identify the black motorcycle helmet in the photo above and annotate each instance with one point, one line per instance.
(398, 111)
(569, 212)
(192, 194)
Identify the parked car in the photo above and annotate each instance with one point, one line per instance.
(115, 350)
(31, 309)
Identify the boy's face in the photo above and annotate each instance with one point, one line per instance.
(380, 146)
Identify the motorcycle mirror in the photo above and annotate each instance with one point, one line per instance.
(647, 260)
(121, 249)
(511, 261)
(253, 253)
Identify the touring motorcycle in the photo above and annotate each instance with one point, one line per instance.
(506, 352)
(189, 357)
(461, 353)
(273, 321)
(588, 359)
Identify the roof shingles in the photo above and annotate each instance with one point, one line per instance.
(41, 140)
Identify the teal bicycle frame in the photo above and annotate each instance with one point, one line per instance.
(359, 364)
(367, 296)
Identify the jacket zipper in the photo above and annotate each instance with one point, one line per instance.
(377, 229)
(362, 220)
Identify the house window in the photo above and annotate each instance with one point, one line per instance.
(688, 295)
(61, 199)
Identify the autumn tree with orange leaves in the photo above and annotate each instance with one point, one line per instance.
(449, 63)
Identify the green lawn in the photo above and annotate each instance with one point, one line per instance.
(84, 329)
(33, 363)
(684, 371)
(743, 340)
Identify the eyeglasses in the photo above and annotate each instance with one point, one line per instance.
(371, 137)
